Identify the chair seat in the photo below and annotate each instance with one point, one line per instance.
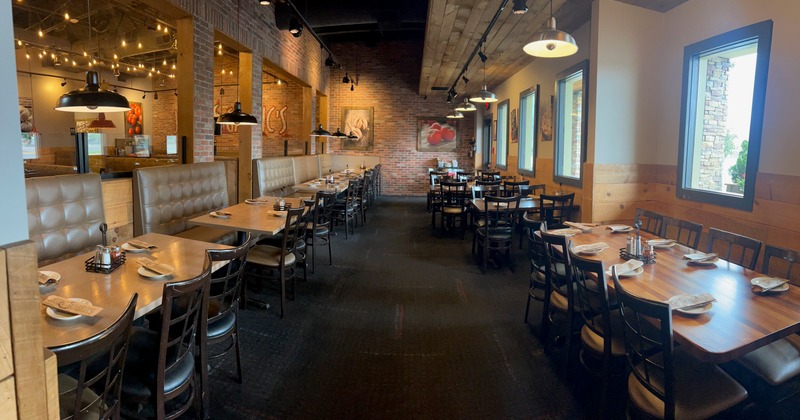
(222, 325)
(140, 372)
(596, 342)
(701, 390)
(268, 255)
(453, 210)
(777, 362)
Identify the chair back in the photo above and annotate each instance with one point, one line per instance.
(454, 194)
(513, 187)
(556, 209)
(684, 232)
(538, 189)
(480, 191)
(226, 283)
(488, 182)
(780, 262)
(647, 332)
(291, 232)
(436, 177)
(651, 221)
(733, 247)
(537, 249)
(591, 295)
(184, 312)
(554, 248)
(501, 212)
(96, 391)
(490, 175)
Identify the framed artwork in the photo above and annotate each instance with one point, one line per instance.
(359, 122)
(134, 120)
(434, 134)
(494, 130)
(546, 120)
(514, 127)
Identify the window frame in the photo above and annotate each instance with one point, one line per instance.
(536, 92)
(583, 67)
(504, 138)
(691, 57)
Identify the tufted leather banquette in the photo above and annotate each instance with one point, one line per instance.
(272, 173)
(166, 197)
(64, 215)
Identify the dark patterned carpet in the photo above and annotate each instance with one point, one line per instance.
(403, 325)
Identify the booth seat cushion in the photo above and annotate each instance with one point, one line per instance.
(272, 174)
(64, 215)
(325, 164)
(305, 168)
(166, 197)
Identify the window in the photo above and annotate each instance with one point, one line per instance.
(172, 145)
(502, 134)
(528, 124)
(724, 86)
(572, 105)
(96, 144)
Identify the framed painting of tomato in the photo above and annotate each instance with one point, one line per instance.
(134, 120)
(435, 134)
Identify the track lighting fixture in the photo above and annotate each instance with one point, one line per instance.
(346, 78)
(64, 83)
(155, 96)
(176, 92)
(482, 56)
(520, 7)
(144, 95)
(464, 78)
(222, 91)
(329, 61)
(453, 94)
(352, 87)
(295, 28)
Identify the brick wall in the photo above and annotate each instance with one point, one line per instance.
(285, 99)
(228, 140)
(165, 113)
(388, 82)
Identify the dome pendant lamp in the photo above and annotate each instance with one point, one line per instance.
(466, 106)
(237, 116)
(484, 96)
(320, 132)
(455, 115)
(92, 98)
(550, 42)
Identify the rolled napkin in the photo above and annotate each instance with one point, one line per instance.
(699, 256)
(564, 232)
(140, 244)
(628, 267)
(690, 301)
(155, 267)
(591, 248)
(660, 242)
(71, 306)
(585, 227)
(619, 228)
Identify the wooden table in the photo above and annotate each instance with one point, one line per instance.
(113, 291)
(341, 182)
(740, 320)
(525, 204)
(253, 218)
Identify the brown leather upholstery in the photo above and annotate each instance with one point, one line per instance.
(64, 215)
(270, 174)
(777, 362)
(305, 168)
(166, 197)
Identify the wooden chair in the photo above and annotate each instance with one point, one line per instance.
(666, 382)
(433, 193)
(319, 231)
(738, 249)
(91, 371)
(537, 254)
(556, 209)
(161, 364)
(225, 291)
(278, 259)
(601, 334)
(651, 221)
(772, 372)
(344, 210)
(684, 232)
(511, 188)
(497, 235)
(454, 204)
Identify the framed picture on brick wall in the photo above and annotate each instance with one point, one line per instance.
(435, 134)
(358, 123)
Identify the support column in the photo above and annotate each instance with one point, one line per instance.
(246, 97)
(322, 106)
(308, 114)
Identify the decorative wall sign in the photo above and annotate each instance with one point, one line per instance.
(434, 134)
(358, 122)
(546, 120)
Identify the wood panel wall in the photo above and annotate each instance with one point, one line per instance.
(544, 175)
(620, 189)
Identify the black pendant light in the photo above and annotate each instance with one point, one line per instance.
(237, 116)
(320, 132)
(92, 98)
(338, 134)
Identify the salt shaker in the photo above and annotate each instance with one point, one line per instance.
(629, 247)
(638, 246)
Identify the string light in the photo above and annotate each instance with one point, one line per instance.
(124, 44)
(66, 16)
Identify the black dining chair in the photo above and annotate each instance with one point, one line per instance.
(511, 188)
(559, 308)
(665, 381)
(556, 209)
(537, 255)
(161, 379)
(738, 249)
(496, 237)
(318, 231)
(682, 231)
(651, 221)
(454, 204)
(91, 371)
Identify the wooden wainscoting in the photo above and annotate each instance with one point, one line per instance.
(620, 189)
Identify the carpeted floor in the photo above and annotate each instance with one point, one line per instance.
(403, 325)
